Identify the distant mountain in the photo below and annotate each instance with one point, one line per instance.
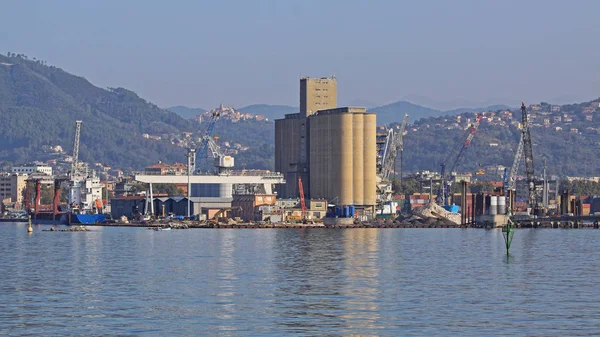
(186, 112)
(448, 105)
(269, 111)
(394, 112)
(488, 108)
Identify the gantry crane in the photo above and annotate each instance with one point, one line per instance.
(446, 181)
(528, 151)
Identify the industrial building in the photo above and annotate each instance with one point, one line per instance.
(343, 155)
(332, 150)
(291, 133)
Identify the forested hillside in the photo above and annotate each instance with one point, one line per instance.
(39, 105)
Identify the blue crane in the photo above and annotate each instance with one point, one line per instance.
(446, 181)
(205, 137)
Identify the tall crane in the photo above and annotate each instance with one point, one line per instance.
(394, 146)
(75, 163)
(446, 181)
(205, 138)
(511, 179)
(222, 162)
(528, 151)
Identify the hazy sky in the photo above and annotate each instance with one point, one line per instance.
(202, 53)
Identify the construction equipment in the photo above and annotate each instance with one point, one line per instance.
(75, 164)
(217, 217)
(446, 181)
(302, 204)
(528, 151)
(480, 170)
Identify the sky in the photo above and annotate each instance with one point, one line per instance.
(443, 54)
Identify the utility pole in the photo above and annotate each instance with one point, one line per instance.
(545, 188)
(191, 161)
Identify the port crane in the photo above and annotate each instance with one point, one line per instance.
(205, 137)
(394, 146)
(510, 177)
(75, 164)
(528, 151)
(446, 181)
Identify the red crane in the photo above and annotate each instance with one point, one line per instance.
(302, 204)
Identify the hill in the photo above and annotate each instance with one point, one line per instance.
(488, 108)
(269, 111)
(186, 112)
(394, 112)
(39, 105)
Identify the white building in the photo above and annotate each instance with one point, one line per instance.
(29, 169)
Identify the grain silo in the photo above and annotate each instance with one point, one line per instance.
(358, 158)
(370, 159)
(342, 156)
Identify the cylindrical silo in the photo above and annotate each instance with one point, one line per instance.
(493, 210)
(501, 205)
(317, 128)
(370, 159)
(358, 157)
(346, 186)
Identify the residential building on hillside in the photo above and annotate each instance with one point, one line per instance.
(31, 168)
(164, 169)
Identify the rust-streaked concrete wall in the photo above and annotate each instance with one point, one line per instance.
(370, 159)
(358, 158)
(317, 94)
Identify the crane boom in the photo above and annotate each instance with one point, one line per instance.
(394, 145)
(302, 204)
(528, 151)
(444, 190)
(512, 177)
(75, 163)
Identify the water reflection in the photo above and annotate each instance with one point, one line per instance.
(392, 282)
(361, 251)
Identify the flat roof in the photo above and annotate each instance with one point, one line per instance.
(340, 110)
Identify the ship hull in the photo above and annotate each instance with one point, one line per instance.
(84, 219)
(48, 219)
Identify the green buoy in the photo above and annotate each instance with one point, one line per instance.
(508, 232)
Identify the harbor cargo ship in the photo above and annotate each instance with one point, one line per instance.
(85, 204)
(85, 200)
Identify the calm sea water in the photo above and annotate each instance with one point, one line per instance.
(313, 282)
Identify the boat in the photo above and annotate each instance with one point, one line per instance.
(85, 199)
